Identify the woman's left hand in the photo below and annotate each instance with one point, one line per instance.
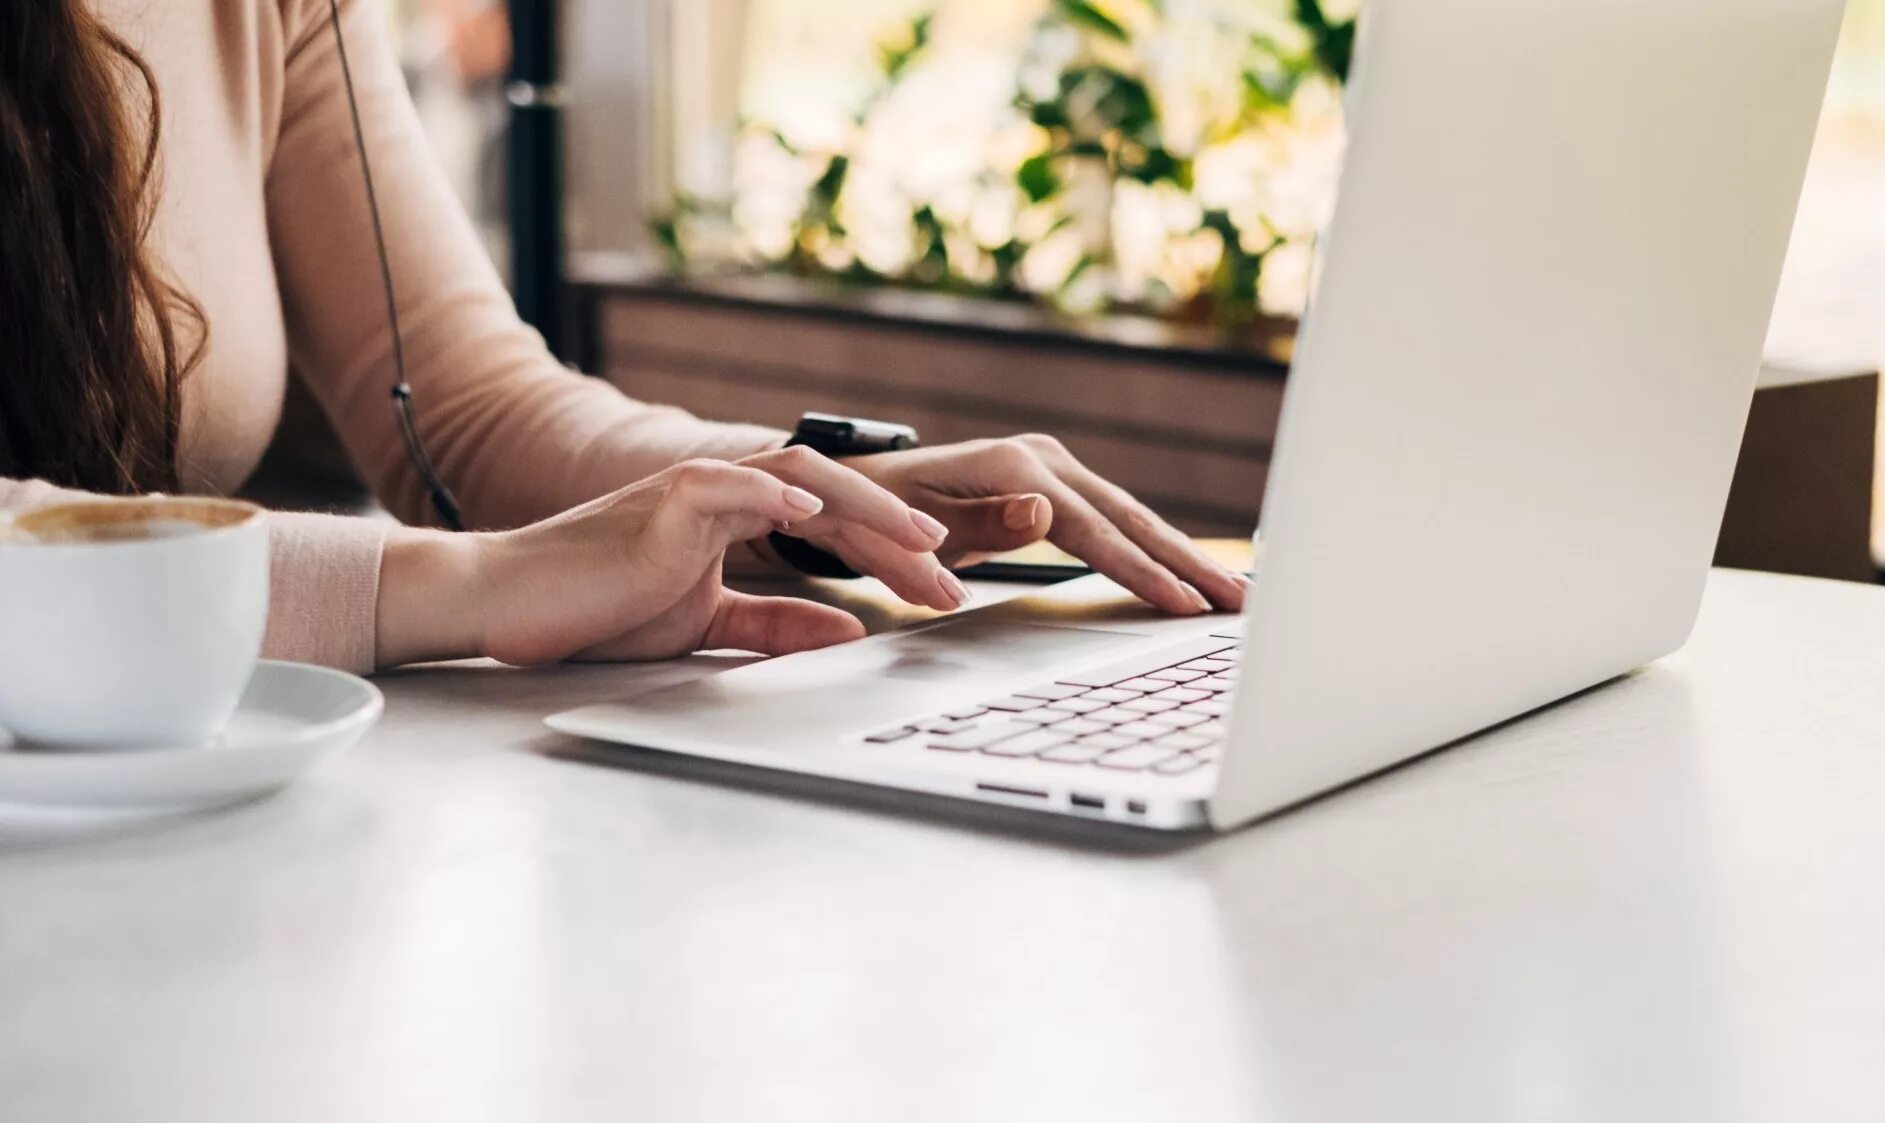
(999, 495)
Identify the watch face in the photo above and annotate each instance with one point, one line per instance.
(853, 436)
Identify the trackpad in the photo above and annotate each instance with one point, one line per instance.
(861, 686)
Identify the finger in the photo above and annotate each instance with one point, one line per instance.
(729, 503)
(849, 497)
(1081, 530)
(1159, 539)
(777, 625)
(916, 577)
(997, 523)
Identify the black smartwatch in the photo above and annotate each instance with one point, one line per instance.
(836, 437)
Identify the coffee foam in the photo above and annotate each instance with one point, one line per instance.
(127, 520)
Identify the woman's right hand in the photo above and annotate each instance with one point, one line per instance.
(636, 575)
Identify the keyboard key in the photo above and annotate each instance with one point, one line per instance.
(1078, 752)
(1223, 680)
(1076, 706)
(1051, 692)
(1181, 694)
(1212, 729)
(1111, 694)
(1148, 705)
(1143, 685)
(1080, 727)
(1135, 758)
(891, 736)
(1140, 730)
(980, 737)
(1212, 708)
(1107, 742)
(1177, 653)
(966, 714)
(1178, 719)
(1028, 743)
(1178, 765)
(1036, 717)
(1173, 674)
(1016, 704)
(1114, 715)
(945, 725)
(1184, 741)
(1210, 666)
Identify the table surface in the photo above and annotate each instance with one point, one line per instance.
(1659, 901)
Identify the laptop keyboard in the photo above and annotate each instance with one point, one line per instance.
(1162, 712)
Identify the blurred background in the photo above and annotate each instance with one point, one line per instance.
(1090, 216)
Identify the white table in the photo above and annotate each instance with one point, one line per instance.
(1662, 901)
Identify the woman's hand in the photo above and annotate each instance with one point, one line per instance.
(636, 575)
(1001, 495)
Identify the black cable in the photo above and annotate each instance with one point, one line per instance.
(442, 499)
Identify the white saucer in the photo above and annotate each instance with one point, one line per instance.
(291, 718)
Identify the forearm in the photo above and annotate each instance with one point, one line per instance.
(515, 435)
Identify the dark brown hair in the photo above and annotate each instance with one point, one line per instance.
(94, 338)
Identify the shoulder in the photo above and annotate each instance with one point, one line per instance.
(303, 21)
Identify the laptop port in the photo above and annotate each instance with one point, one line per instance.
(1087, 802)
(997, 789)
(1135, 806)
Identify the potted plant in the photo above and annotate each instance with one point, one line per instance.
(1146, 156)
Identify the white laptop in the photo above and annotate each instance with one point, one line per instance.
(1504, 454)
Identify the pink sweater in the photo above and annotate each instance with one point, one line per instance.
(263, 219)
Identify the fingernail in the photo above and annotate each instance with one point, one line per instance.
(1197, 599)
(934, 530)
(1242, 579)
(953, 588)
(1023, 512)
(802, 501)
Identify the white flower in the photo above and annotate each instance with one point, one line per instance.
(1283, 290)
(1194, 69)
(1341, 11)
(876, 218)
(1282, 175)
(769, 188)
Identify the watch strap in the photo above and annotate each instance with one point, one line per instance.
(835, 437)
(809, 559)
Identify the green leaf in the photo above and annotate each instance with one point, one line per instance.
(1120, 100)
(1037, 178)
(667, 235)
(785, 145)
(1084, 15)
(895, 59)
(1157, 164)
(1335, 42)
(831, 184)
(1048, 114)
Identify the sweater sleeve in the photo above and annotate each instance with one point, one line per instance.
(324, 580)
(515, 435)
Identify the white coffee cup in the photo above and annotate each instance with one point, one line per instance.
(130, 623)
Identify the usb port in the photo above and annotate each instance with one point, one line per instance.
(1088, 802)
(1135, 806)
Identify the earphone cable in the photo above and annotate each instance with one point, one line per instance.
(442, 499)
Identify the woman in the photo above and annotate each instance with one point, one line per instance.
(181, 217)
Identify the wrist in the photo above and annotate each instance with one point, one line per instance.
(432, 597)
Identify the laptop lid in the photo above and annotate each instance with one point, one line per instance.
(1519, 395)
